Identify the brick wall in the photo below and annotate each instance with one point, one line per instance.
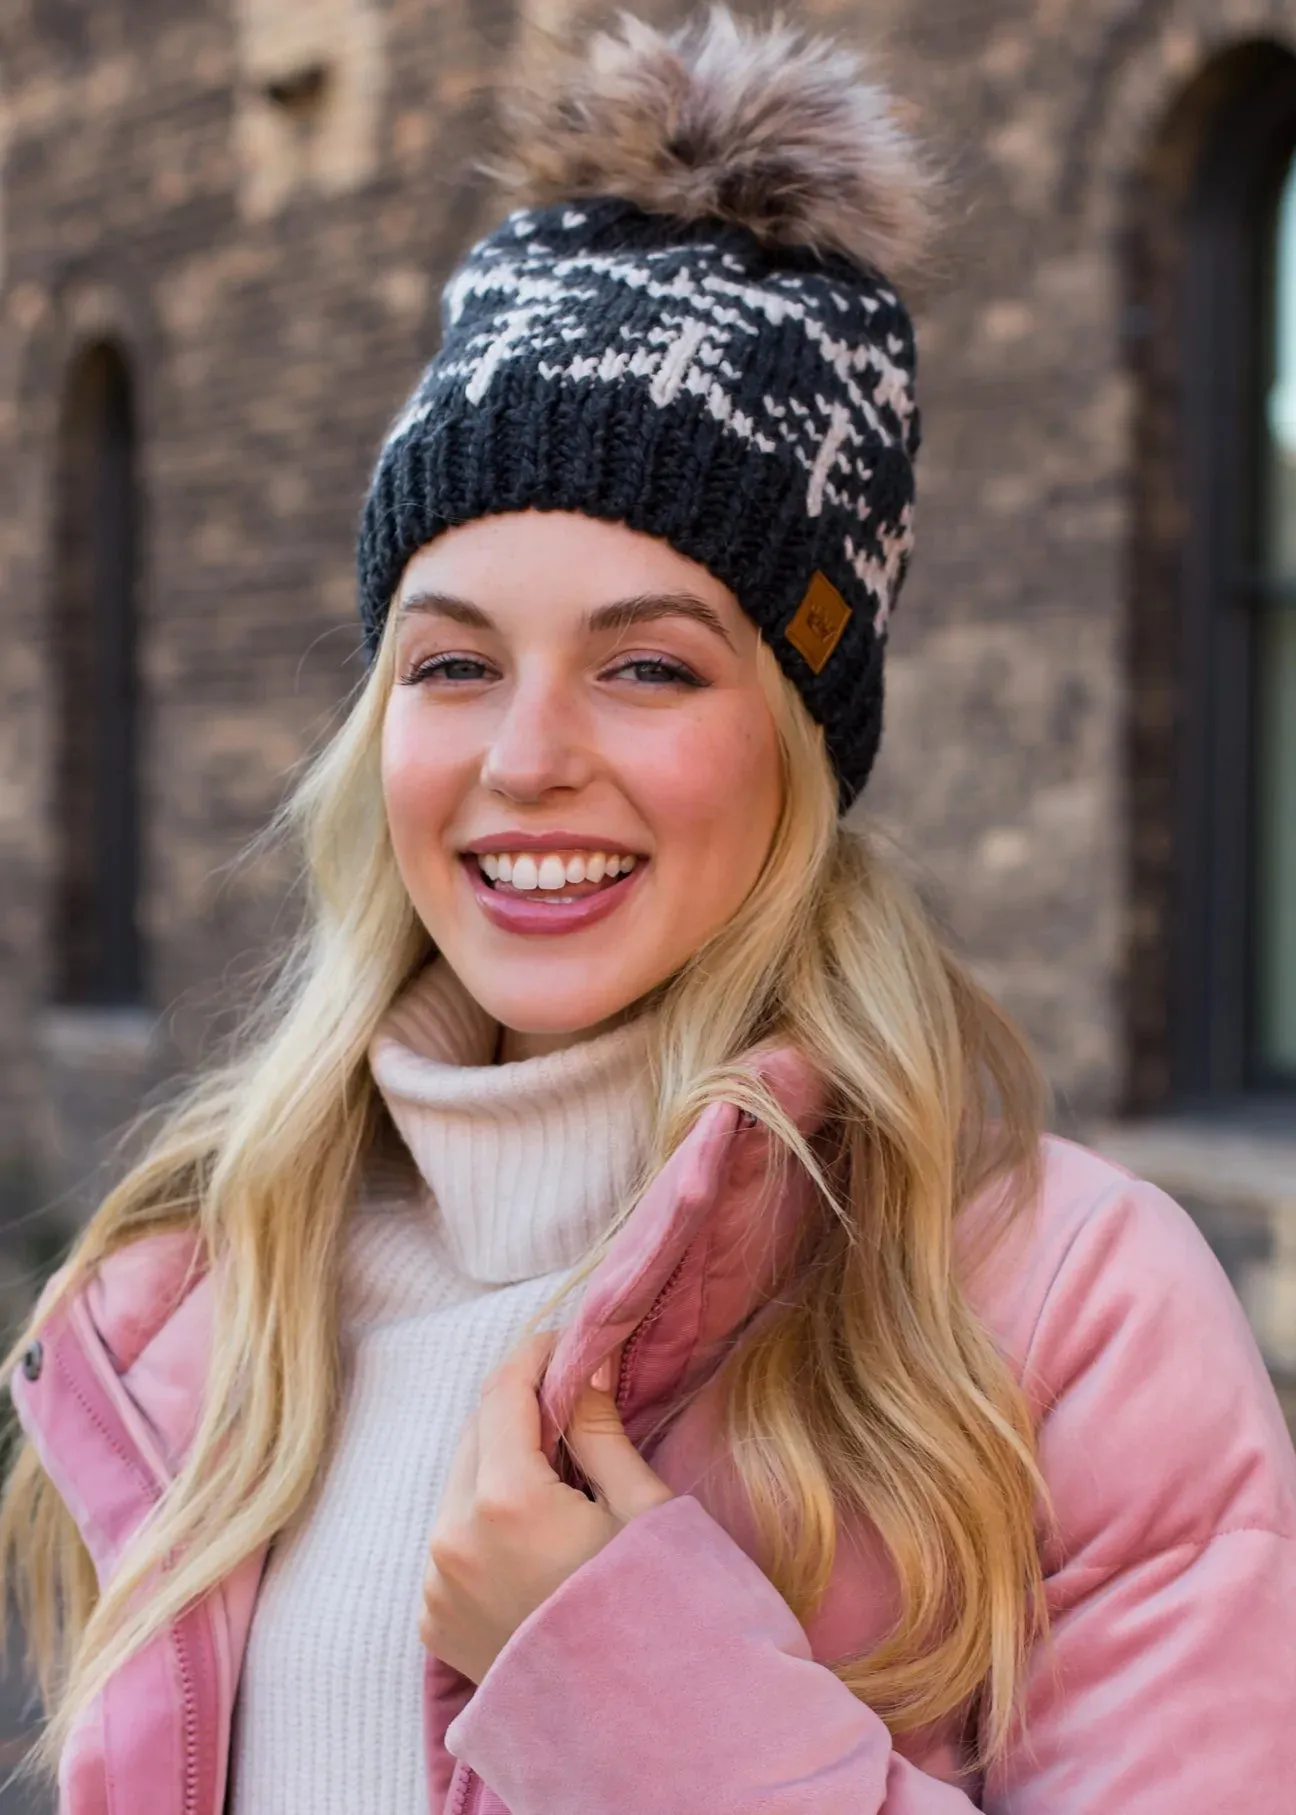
(258, 200)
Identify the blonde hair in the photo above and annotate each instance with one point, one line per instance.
(872, 1390)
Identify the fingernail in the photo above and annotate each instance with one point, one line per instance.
(601, 1378)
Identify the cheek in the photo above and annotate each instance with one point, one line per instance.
(712, 796)
(421, 785)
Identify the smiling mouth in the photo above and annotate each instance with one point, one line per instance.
(554, 878)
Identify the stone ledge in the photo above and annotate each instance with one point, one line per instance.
(1239, 1186)
(1255, 1166)
(97, 1036)
(99, 1066)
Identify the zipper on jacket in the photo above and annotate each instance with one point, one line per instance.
(193, 1645)
(189, 1698)
(468, 1795)
(629, 1353)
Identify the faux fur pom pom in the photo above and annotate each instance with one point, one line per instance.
(764, 126)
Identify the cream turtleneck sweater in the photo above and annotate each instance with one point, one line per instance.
(516, 1170)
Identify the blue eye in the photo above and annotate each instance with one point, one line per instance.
(657, 671)
(646, 671)
(447, 668)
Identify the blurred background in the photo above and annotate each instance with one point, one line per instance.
(223, 229)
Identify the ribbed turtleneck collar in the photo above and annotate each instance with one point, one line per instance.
(527, 1161)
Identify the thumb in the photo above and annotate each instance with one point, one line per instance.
(609, 1461)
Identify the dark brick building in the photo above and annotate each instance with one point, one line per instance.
(225, 223)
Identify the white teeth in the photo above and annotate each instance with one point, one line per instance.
(551, 875)
(550, 872)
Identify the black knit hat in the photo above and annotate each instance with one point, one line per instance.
(692, 338)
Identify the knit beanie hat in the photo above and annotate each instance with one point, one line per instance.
(686, 328)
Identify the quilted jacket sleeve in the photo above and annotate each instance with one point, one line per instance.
(668, 1677)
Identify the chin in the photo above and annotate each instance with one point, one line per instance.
(539, 1004)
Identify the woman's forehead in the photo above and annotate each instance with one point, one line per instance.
(586, 559)
(564, 570)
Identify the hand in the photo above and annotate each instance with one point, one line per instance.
(509, 1532)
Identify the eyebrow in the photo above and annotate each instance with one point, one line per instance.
(620, 614)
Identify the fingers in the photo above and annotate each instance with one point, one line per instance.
(610, 1462)
(508, 1421)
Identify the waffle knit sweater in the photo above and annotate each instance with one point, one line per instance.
(516, 1169)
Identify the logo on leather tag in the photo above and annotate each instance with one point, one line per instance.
(821, 618)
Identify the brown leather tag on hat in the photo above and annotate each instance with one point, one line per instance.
(821, 617)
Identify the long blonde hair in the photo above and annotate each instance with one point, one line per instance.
(874, 1389)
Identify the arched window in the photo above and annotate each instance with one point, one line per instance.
(1212, 980)
(1274, 975)
(95, 931)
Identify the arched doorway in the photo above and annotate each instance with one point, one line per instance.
(1212, 630)
(95, 939)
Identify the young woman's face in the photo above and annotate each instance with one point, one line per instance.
(580, 766)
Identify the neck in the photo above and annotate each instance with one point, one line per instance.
(516, 1043)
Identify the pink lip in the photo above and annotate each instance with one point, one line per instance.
(546, 841)
(515, 914)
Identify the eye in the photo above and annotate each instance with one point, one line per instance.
(447, 668)
(658, 671)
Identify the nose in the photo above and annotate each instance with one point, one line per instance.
(539, 743)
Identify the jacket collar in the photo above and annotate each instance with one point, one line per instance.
(700, 1253)
(123, 1365)
(113, 1397)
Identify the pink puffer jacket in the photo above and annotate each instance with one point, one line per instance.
(667, 1676)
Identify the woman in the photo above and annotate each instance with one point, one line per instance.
(617, 1342)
